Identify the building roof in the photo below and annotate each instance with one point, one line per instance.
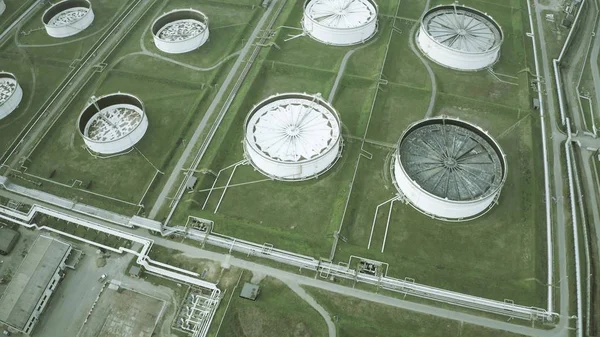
(250, 291)
(30, 281)
(7, 236)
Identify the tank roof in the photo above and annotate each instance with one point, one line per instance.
(452, 159)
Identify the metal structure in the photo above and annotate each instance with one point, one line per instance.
(448, 168)
(460, 37)
(68, 17)
(292, 136)
(340, 22)
(10, 94)
(180, 31)
(113, 123)
(2, 6)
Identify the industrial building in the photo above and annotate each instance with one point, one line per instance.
(68, 17)
(32, 284)
(8, 240)
(341, 22)
(460, 37)
(113, 123)
(292, 136)
(448, 168)
(180, 31)
(11, 94)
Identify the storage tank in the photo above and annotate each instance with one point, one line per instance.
(340, 22)
(449, 169)
(113, 123)
(292, 136)
(460, 37)
(180, 31)
(10, 93)
(68, 17)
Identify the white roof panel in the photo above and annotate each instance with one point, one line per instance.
(341, 13)
(293, 129)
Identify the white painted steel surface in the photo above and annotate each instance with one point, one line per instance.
(11, 94)
(455, 174)
(180, 31)
(460, 37)
(2, 6)
(292, 136)
(340, 22)
(67, 18)
(113, 123)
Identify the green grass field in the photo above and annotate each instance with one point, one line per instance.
(40, 65)
(499, 255)
(176, 90)
(277, 312)
(357, 318)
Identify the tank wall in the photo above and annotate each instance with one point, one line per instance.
(2, 6)
(182, 46)
(72, 29)
(122, 144)
(454, 59)
(339, 37)
(12, 103)
(293, 171)
(438, 207)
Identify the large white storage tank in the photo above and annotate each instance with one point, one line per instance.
(68, 17)
(449, 169)
(340, 22)
(113, 123)
(10, 94)
(180, 31)
(292, 136)
(460, 37)
(2, 6)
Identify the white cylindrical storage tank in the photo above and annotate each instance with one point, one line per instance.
(68, 17)
(2, 6)
(449, 169)
(340, 22)
(10, 94)
(180, 31)
(292, 136)
(113, 123)
(460, 37)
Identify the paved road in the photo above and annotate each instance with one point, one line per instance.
(560, 230)
(340, 74)
(305, 296)
(177, 171)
